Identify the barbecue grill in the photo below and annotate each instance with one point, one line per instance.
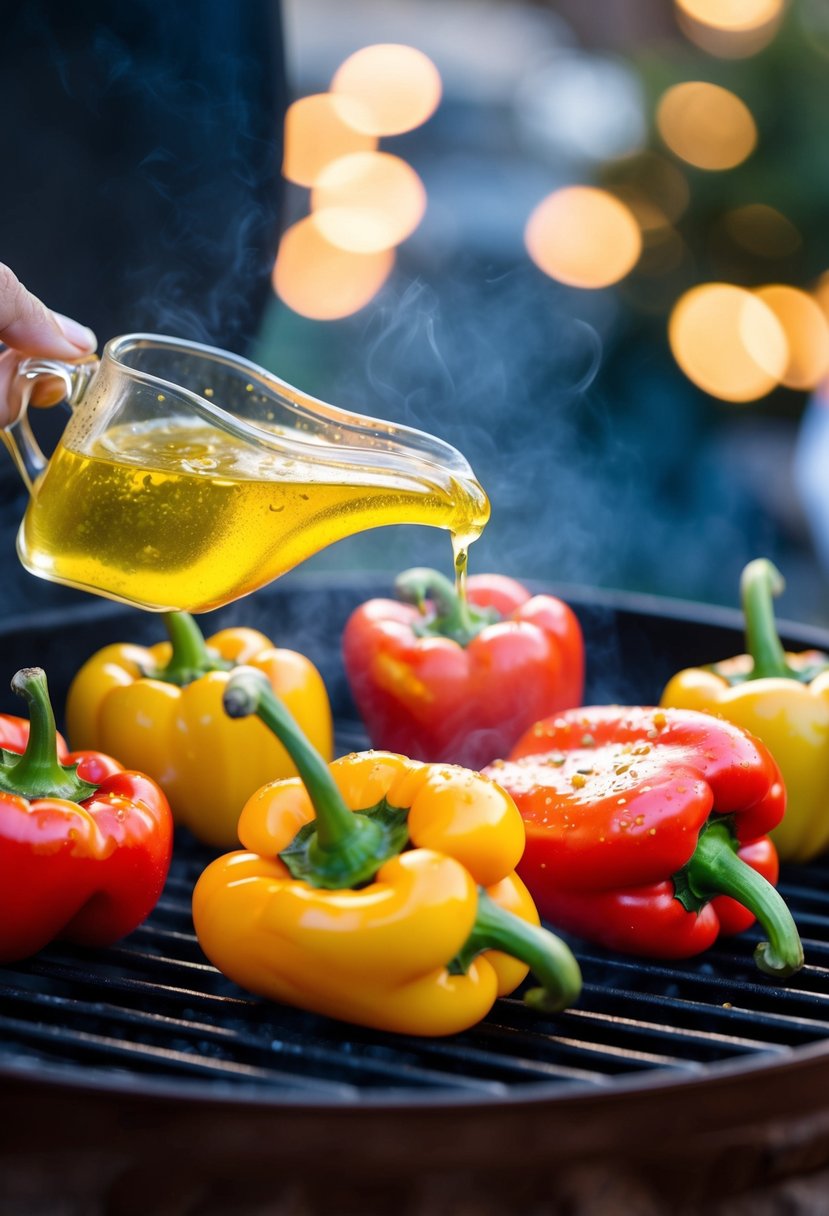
(138, 1079)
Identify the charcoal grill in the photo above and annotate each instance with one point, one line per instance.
(138, 1079)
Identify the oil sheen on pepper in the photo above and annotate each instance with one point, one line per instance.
(182, 516)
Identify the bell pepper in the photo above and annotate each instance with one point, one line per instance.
(441, 677)
(159, 710)
(647, 831)
(783, 699)
(84, 846)
(376, 890)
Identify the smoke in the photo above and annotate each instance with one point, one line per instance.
(494, 363)
(601, 466)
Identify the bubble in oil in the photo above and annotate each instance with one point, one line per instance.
(200, 464)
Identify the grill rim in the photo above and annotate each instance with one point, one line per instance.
(541, 1093)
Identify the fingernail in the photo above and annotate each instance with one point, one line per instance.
(79, 335)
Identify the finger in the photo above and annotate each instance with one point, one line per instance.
(28, 326)
(9, 393)
(47, 391)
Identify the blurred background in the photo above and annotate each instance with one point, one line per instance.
(585, 243)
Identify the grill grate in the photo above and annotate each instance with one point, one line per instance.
(152, 1006)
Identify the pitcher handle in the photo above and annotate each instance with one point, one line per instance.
(18, 435)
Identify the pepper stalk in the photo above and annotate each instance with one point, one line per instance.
(454, 617)
(191, 656)
(339, 848)
(549, 959)
(760, 582)
(715, 869)
(38, 772)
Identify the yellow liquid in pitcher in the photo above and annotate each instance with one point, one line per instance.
(188, 517)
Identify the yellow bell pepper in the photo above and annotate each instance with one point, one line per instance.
(780, 697)
(378, 890)
(159, 710)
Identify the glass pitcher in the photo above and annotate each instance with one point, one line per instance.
(187, 477)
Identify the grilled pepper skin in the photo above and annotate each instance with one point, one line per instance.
(159, 710)
(438, 680)
(85, 846)
(386, 952)
(783, 699)
(647, 830)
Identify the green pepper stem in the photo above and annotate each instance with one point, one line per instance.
(346, 847)
(759, 583)
(716, 869)
(191, 657)
(38, 773)
(549, 959)
(453, 617)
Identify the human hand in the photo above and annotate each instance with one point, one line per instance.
(28, 327)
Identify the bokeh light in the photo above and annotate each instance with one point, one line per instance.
(706, 125)
(730, 29)
(585, 106)
(728, 342)
(807, 334)
(734, 15)
(318, 130)
(320, 281)
(584, 237)
(367, 202)
(398, 87)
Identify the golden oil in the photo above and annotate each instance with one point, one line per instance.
(180, 515)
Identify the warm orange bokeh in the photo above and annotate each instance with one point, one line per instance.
(320, 281)
(728, 342)
(731, 29)
(398, 87)
(807, 334)
(584, 237)
(705, 125)
(318, 130)
(735, 15)
(367, 202)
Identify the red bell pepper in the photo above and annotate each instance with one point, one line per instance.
(647, 831)
(440, 678)
(84, 845)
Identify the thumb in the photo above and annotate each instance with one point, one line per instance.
(29, 327)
